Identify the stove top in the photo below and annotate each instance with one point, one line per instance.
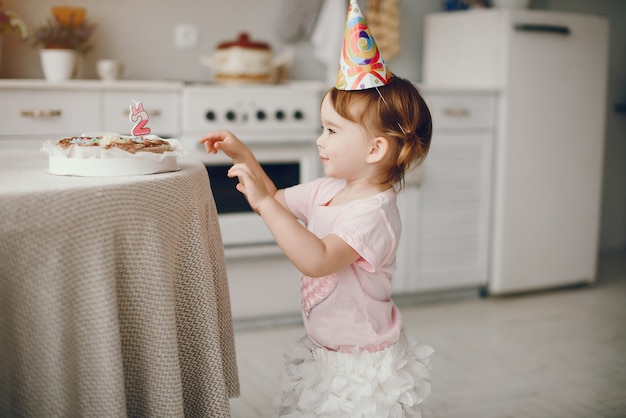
(292, 84)
(255, 110)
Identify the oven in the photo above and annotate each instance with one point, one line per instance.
(243, 230)
(280, 124)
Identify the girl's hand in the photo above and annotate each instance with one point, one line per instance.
(228, 143)
(255, 177)
(251, 184)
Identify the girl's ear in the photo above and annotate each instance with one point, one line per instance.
(379, 147)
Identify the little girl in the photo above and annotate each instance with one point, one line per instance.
(355, 359)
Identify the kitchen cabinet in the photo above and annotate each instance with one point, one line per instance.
(32, 111)
(445, 206)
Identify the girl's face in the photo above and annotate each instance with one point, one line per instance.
(343, 145)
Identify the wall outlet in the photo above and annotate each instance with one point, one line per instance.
(185, 36)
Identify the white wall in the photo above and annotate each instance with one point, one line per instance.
(153, 55)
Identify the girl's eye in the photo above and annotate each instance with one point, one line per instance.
(331, 131)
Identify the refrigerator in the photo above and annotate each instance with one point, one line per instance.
(549, 70)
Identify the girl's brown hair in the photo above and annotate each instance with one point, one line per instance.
(396, 112)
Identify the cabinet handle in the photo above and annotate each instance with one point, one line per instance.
(456, 112)
(151, 112)
(531, 27)
(41, 113)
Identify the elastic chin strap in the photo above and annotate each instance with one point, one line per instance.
(385, 102)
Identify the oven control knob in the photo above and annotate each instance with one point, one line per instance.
(260, 115)
(280, 115)
(298, 115)
(210, 115)
(231, 115)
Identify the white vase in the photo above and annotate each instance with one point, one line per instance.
(58, 64)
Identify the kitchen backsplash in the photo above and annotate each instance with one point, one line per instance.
(140, 33)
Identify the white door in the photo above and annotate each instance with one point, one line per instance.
(549, 165)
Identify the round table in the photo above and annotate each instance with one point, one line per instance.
(113, 294)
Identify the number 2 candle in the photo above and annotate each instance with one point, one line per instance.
(139, 115)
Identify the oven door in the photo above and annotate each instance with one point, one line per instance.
(286, 165)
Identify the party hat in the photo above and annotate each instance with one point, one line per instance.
(361, 66)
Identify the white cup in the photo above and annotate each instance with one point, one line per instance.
(109, 69)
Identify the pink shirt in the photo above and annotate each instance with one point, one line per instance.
(352, 307)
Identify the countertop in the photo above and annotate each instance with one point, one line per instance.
(173, 85)
(117, 85)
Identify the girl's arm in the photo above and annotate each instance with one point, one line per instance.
(311, 255)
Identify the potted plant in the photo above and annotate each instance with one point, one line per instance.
(10, 22)
(61, 39)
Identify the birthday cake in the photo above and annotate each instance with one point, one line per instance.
(110, 154)
(131, 144)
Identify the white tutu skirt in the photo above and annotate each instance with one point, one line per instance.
(393, 382)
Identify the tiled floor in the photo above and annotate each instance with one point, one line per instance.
(558, 353)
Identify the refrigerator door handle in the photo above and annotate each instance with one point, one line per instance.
(532, 27)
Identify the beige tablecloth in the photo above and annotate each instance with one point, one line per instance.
(113, 295)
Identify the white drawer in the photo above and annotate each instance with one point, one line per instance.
(457, 111)
(162, 107)
(48, 112)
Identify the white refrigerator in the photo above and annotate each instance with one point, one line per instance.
(550, 72)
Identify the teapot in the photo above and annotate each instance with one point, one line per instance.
(246, 60)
